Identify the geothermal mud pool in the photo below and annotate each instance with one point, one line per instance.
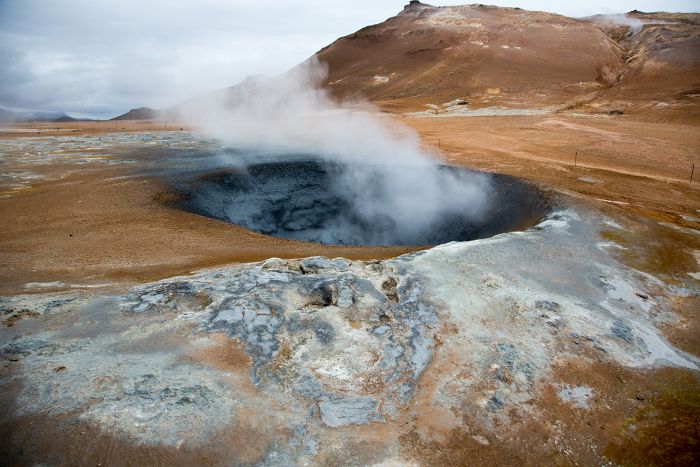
(311, 200)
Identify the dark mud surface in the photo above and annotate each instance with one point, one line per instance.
(307, 200)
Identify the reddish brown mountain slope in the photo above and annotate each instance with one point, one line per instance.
(662, 57)
(513, 58)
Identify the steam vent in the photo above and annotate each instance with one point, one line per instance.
(460, 236)
(307, 200)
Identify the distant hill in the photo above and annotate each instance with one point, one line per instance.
(142, 113)
(7, 115)
(73, 119)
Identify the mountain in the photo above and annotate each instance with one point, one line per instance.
(515, 58)
(7, 115)
(487, 56)
(142, 113)
(68, 118)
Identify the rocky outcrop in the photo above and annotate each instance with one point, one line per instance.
(307, 352)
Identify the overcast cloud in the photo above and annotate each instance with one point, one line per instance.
(101, 58)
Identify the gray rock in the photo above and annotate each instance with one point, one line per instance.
(495, 403)
(623, 331)
(339, 411)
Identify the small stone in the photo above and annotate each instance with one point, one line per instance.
(623, 331)
(548, 305)
(274, 263)
(495, 403)
(338, 411)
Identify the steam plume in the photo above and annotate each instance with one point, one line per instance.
(622, 19)
(386, 178)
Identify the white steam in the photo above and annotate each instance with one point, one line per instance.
(388, 178)
(635, 24)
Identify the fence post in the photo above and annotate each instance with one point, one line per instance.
(692, 171)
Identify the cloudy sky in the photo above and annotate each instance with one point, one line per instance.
(101, 57)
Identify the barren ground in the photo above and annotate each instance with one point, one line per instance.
(84, 226)
(89, 226)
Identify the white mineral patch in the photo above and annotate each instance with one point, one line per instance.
(396, 462)
(680, 228)
(465, 111)
(578, 396)
(38, 285)
(450, 16)
(89, 286)
(611, 223)
(613, 245)
(337, 371)
(622, 203)
(590, 180)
